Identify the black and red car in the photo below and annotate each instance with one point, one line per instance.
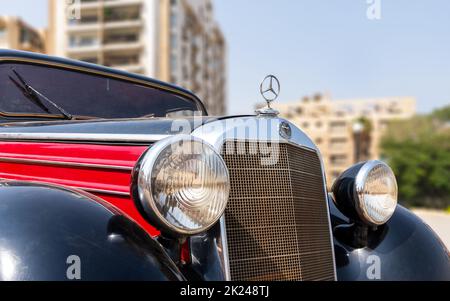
(130, 179)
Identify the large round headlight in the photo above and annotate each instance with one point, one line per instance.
(367, 192)
(182, 185)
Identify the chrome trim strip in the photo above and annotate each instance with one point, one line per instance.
(90, 190)
(264, 129)
(125, 138)
(102, 191)
(218, 132)
(328, 212)
(66, 164)
(224, 244)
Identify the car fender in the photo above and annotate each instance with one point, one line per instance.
(404, 249)
(53, 233)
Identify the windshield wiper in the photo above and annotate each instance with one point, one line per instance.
(36, 97)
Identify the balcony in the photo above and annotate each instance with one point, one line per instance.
(123, 13)
(127, 46)
(88, 21)
(89, 27)
(90, 4)
(125, 62)
(124, 24)
(121, 36)
(95, 4)
(121, 3)
(83, 45)
(339, 161)
(85, 50)
(130, 68)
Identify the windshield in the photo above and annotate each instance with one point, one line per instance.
(84, 94)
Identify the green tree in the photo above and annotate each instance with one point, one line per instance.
(419, 152)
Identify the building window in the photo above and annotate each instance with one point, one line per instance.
(121, 37)
(121, 60)
(92, 60)
(338, 144)
(173, 62)
(173, 20)
(86, 18)
(173, 40)
(82, 41)
(338, 126)
(305, 125)
(338, 159)
(319, 124)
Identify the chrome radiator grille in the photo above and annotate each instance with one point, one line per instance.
(277, 219)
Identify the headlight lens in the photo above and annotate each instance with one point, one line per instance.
(183, 185)
(376, 190)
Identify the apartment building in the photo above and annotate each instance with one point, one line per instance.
(346, 131)
(176, 41)
(16, 34)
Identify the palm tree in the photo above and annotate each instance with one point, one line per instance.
(362, 129)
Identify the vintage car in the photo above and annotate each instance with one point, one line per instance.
(107, 175)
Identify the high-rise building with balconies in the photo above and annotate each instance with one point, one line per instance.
(346, 131)
(16, 34)
(176, 41)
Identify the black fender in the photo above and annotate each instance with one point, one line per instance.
(405, 249)
(53, 233)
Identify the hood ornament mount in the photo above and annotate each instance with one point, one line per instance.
(270, 90)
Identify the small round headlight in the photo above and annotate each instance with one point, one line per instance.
(367, 192)
(376, 190)
(182, 185)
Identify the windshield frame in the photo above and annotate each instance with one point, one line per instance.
(97, 70)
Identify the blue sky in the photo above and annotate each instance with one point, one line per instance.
(325, 46)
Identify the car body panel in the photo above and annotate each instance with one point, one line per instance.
(45, 230)
(103, 170)
(405, 248)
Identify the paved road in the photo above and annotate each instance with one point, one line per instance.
(439, 221)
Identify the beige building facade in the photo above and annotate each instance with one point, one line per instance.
(16, 34)
(346, 131)
(177, 41)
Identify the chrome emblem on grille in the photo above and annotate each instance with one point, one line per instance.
(285, 130)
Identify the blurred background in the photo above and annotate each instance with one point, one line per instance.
(366, 79)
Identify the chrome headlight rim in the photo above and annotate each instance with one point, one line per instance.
(143, 189)
(359, 187)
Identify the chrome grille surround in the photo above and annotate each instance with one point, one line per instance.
(219, 132)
